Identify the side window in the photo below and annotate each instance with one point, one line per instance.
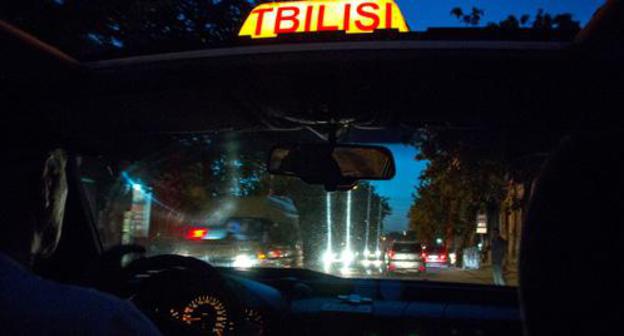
(98, 181)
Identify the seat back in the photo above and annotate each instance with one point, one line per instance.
(572, 242)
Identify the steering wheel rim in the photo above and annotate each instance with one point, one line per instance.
(151, 281)
(169, 261)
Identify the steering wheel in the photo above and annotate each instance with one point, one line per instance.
(183, 296)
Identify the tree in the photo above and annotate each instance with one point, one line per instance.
(471, 172)
(462, 178)
(510, 23)
(542, 22)
(115, 27)
(470, 19)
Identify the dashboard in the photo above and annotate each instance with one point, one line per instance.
(205, 313)
(186, 296)
(183, 301)
(208, 315)
(330, 316)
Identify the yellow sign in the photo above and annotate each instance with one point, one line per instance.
(351, 16)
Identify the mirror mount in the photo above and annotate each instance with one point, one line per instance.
(333, 129)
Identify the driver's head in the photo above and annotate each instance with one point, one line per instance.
(34, 187)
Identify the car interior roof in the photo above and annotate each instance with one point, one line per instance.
(500, 86)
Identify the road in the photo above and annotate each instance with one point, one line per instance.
(480, 276)
(450, 274)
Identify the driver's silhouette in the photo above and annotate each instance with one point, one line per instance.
(31, 217)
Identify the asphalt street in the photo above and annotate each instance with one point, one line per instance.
(443, 274)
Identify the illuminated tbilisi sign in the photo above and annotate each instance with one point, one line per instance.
(351, 16)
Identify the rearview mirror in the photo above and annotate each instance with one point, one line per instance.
(337, 167)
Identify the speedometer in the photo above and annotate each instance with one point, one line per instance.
(255, 317)
(206, 313)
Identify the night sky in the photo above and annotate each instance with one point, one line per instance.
(421, 14)
(399, 190)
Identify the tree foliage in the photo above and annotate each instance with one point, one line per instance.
(471, 18)
(132, 26)
(462, 177)
(542, 21)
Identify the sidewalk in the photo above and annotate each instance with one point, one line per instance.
(484, 275)
(481, 276)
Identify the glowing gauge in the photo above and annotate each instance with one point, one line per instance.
(254, 316)
(207, 314)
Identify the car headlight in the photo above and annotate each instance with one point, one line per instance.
(244, 261)
(347, 257)
(328, 257)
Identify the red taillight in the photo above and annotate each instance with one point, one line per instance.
(391, 253)
(443, 257)
(275, 253)
(423, 255)
(196, 234)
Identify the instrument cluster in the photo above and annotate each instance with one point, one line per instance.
(208, 315)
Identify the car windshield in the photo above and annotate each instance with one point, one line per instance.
(210, 196)
(96, 30)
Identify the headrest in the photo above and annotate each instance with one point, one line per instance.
(572, 244)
